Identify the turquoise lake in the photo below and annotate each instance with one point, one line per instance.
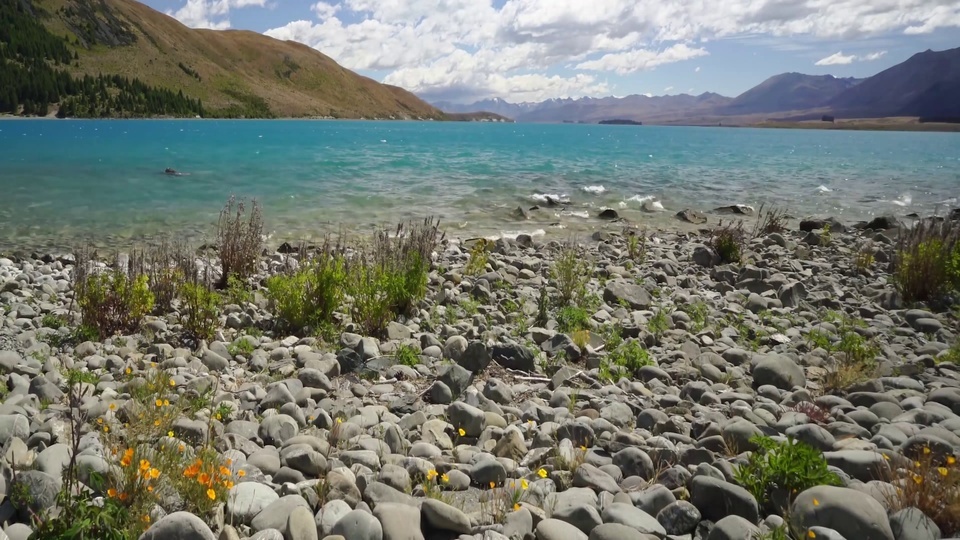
(66, 181)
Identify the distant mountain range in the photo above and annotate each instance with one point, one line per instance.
(926, 85)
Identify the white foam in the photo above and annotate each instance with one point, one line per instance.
(903, 200)
(512, 235)
(545, 197)
(823, 189)
(581, 214)
(642, 198)
(623, 204)
(653, 206)
(594, 189)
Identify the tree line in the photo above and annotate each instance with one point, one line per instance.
(33, 76)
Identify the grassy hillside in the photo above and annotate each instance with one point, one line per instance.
(232, 72)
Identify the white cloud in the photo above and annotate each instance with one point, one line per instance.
(697, 70)
(210, 13)
(667, 89)
(559, 48)
(839, 58)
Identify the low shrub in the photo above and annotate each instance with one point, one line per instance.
(53, 321)
(571, 272)
(112, 301)
(698, 312)
(637, 246)
(931, 483)
(238, 292)
(309, 296)
(199, 310)
(239, 240)
(927, 262)
(778, 471)
(854, 356)
(479, 255)
(572, 319)
(728, 241)
(773, 220)
(631, 356)
(407, 356)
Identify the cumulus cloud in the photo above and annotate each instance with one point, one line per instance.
(839, 59)
(210, 13)
(560, 48)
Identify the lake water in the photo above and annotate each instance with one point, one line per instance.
(63, 181)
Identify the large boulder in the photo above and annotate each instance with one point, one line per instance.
(623, 292)
(844, 510)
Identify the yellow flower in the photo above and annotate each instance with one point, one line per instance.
(228, 484)
(431, 474)
(100, 420)
(811, 534)
(462, 432)
(111, 493)
(339, 420)
(926, 449)
(129, 371)
(166, 403)
(159, 402)
(113, 406)
(241, 473)
(917, 479)
(144, 465)
(816, 502)
(942, 470)
(916, 464)
(146, 518)
(154, 473)
(542, 473)
(106, 429)
(583, 448)
(211, 494)
(181, 448)
(444, 478)
(172, 382)
(493, 484)
(951, 460)
(516, 507)
(170, 434)
(156, 423)
(149, 489)
(524, 484)
(204, 478)
(224, 471)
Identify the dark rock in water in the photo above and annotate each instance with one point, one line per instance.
(286, 248)
(692, 216)
(609, 213)
(551, 202)
(739, 209)
(524, 240)
(817, 224)
(955, 214)
(883, 223)
(521, 213)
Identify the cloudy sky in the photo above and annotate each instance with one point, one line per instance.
(530, 50)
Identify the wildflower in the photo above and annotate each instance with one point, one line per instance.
(493, 484)
(191, 471)
(156, 423)
(811, 534)
(219, 417)
(542, 473)
(170, 434)
(524, 484)
(444, 478)
(916, 464)
(106, 429)
(339, 420)
(99, 420)
(204, 478)
(224, 471)
(886, 457)
(917, 479)
(154, 473)
(229, 463)
(172, 382)
(113, 406)
(228, 484)
(127, 457)
(111, 493)
(129, 371)
(241, 473)
(942, 470)
(211, 494)
(926, 450)
(150, 489)
(431, 474)
(146, 518)
(144, 465)
(951, 460)
(166, 403)
(181, 448)
(516, 507)
(462, 432)
(583, 448)
(816, 502)
(123, 496)
(159, 402)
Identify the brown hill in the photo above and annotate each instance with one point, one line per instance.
(223, 68)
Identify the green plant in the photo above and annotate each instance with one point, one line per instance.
(777, 533)
(543, 305)
(927, 261)
(111, 302)
(239, 240)
(854, 355)
(199, 310)
(659, 323)
(637, 246)
(777, 471)
(407, 356)
(571, 272)
(631, 356)
(238, 292)
(479, 255)
(728, 241)
(863, 260)
(241, 347)
(930, 482)
(469, 306)
(309, 296)
(53, 321)
(953, 354)
(571, 319)
(698, 312)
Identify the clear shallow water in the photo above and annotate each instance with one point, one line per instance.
(62, 181)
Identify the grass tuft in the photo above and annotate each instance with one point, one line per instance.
(729, 241)
(239, 240)
(927, 262)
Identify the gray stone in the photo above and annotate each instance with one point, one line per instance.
(214, 361)
(634, 296)
(358, 525)
(278, 428)
(440, 393)
(179, 525)
(441, 516)
(247, 499)
(913, 524)
(514, 356)
(455, 377)
(704, 256)
(485, 471)
(399, 521)
(631, 516)
(716, 499)
(275, 515)
(300, 525)
(466, 417)
(679, 518)
(511, 445)
(847, 511)
(792, 294)
(455, 347)
(13, 425)
(555, 529)
(589, 476)
(498, 391)
(330, 514)
(616, 531)
(475, 358)
(779, 371)
(733, 528)
(40, 489)
(634, 462)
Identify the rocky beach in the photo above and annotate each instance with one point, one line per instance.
(624, 384)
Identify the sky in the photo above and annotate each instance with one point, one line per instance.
(533, 50)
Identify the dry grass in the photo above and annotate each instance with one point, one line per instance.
(239, 240)
(773, 220)
(932, 484)
(927, 264)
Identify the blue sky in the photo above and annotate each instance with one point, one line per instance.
(530, 50)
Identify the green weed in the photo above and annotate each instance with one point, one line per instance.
(407, 356)
(778, 471)
(200, 311)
